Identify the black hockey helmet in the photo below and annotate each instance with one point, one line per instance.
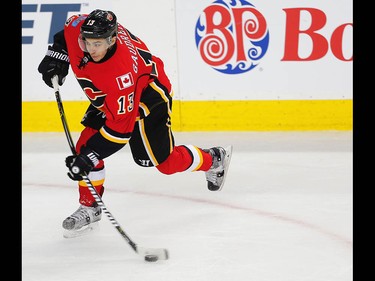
(99, 24)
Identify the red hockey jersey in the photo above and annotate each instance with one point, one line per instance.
(115, 86)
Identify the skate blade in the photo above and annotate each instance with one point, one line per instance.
(92, 227)
(227, 159)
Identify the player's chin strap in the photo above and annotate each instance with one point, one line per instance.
(150, 254)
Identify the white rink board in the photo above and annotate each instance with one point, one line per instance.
(272, 79)
(168, 27)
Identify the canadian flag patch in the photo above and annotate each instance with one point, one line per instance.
(125, 81)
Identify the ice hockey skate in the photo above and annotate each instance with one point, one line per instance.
(216, 175)
(83, 221)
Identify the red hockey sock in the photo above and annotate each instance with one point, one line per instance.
(85, 196)
(186, 158)
(96, 176)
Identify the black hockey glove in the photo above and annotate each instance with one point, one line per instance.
(81, 164)
(55, 62)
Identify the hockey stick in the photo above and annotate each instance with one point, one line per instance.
(149, 254)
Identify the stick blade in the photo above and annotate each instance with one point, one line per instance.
(162, 254)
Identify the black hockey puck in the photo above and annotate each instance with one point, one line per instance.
(151, 258)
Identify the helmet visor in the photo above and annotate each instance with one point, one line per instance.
(82, 43)
(93, 43)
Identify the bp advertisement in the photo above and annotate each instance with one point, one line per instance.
(238, 49)
(216, 50)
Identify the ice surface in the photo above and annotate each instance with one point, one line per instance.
(284, 214)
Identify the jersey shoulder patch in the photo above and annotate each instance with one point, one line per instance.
(75, 20)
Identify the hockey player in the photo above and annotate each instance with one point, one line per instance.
(130, 103)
